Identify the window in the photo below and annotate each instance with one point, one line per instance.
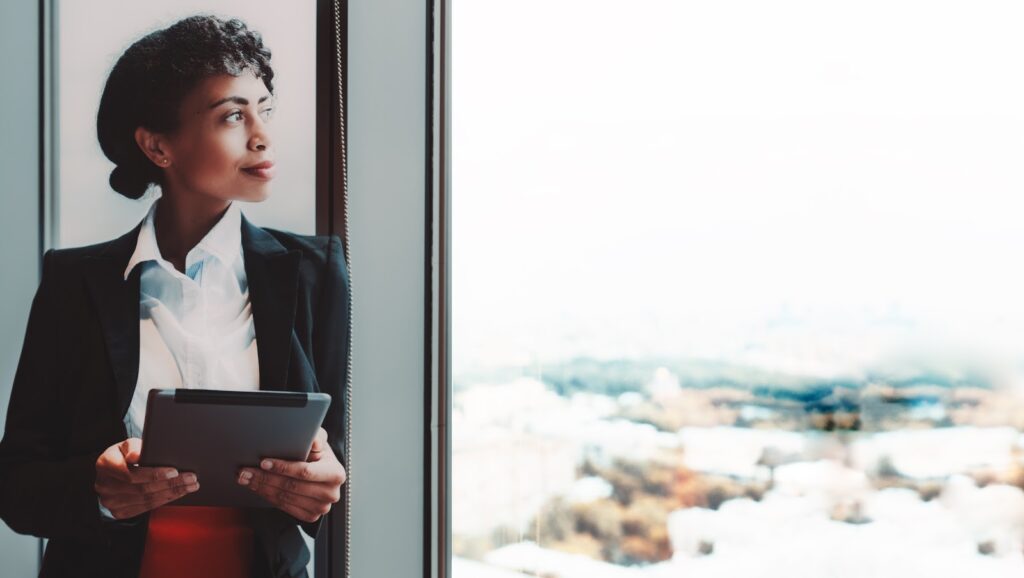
(735, 289)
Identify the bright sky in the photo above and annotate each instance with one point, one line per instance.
(694, 177)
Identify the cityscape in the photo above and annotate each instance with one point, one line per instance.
(687, 468)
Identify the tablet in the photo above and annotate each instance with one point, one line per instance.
(215, 432)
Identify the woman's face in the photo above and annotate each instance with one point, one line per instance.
(224, 131)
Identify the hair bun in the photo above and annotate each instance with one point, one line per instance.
(130, 184)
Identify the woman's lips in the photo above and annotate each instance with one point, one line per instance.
(265, 173)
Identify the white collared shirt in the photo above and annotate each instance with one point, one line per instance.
(196, 331)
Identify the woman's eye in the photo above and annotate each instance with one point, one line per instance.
(238, 113)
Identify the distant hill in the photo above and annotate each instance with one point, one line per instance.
(617, 376)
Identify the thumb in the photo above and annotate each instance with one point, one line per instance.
(319, 443)
(314, 452)
(131, 449)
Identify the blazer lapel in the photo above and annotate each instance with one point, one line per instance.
(117, 307)
(272, 272)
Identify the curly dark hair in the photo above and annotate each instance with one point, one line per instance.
(151, 79)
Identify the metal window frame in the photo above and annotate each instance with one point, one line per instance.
(396, 214)
(332, 542)
(437, 539)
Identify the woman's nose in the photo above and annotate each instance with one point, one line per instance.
(260, 139)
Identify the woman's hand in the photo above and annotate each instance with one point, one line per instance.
(306, 490)
(128, 490)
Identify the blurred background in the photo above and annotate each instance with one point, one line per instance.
(736, 289)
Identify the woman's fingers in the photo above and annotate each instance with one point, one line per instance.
(130, 505)
(132, 510)
(318, 491)
(142, 475)
(301, 507)
(276, 494)
(327, 470)
(153, 484)
(185, 479)
(142, 489)
(146, 480)
(128, 490)
(304, 490)
(161, 496)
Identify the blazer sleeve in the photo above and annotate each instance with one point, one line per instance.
(331, 353)
(332, 339)
(43, 491)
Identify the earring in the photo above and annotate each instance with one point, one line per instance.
(165, 161)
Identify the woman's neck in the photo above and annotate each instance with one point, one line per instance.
(182, 222)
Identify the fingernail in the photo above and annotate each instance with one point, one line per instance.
(190, 478)
(266, 464)
(172, 474)
(244, 478)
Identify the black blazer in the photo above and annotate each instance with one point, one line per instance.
(78, 369)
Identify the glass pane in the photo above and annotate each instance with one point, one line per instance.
(735, 289)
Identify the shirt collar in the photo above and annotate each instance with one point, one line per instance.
(223, 241)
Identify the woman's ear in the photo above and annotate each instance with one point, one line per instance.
(153, 146)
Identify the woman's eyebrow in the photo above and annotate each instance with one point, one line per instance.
(237, 100)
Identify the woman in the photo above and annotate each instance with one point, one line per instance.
(194, 296)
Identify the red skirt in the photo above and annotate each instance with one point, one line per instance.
(197, 541)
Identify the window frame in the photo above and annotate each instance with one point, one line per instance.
(396, 93)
